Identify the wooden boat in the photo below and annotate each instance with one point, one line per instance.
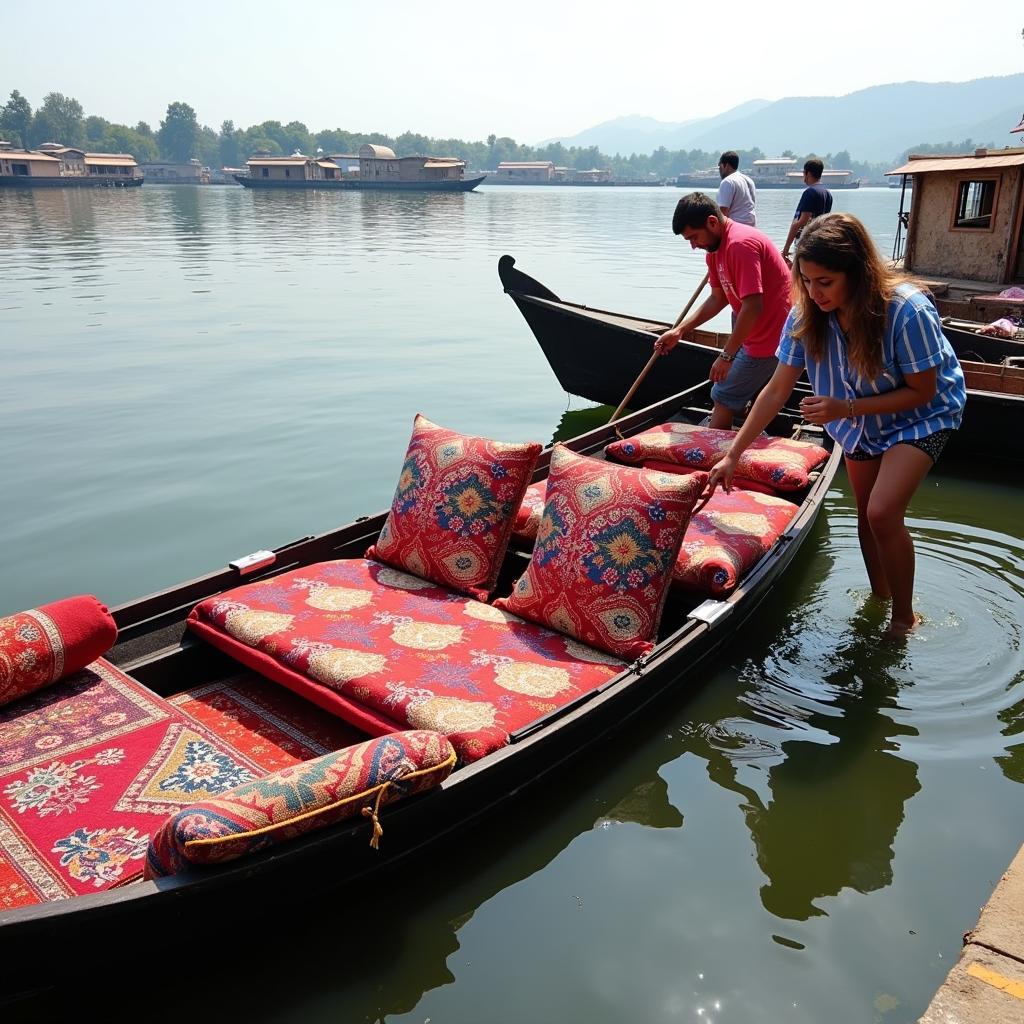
(597, 354)
(155, 649)
(357, 185)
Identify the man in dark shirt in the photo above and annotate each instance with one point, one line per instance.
(814, 201)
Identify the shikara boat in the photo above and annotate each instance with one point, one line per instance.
(162, 663)
(597, 354)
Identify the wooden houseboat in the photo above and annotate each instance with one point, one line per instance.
(57, 166)
(962, 229)
(379, 169)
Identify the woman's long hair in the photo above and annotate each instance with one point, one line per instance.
(839, 242)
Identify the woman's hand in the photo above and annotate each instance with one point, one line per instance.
(721, 473)
(822, 409)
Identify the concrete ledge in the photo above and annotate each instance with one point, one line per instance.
(986, 986)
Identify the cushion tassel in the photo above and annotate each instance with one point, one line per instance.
(371, 813)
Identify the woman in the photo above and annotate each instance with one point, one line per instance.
(887, 387)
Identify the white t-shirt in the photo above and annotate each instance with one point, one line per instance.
(737, 192)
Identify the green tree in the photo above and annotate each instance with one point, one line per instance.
(122, 139)
(143, 129)
(16, 120)
(59, 119)
(228, 149)
(178, 133)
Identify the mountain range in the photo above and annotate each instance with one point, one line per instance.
(874, 124)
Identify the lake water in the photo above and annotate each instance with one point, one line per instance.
(802, 834)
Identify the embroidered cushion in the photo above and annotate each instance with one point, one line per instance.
(775, 461)
(530, 512)
(726, 538)
(740, 482)
(603, 559)
(453, 510)
(43, 645)
(385, 650)
(295, 800)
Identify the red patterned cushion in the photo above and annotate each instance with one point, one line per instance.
(738, 481)
(293, 801)
(776, 461)
(727, 537)
(453, 511)
(385, 650)
(605, 549)
(530, 512)
(45, 644)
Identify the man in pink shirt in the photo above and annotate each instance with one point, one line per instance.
(746, 272)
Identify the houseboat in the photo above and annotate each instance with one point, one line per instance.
(961, 229)
(781, 172)
(785, 172)
(378, 168)
(55, 166)
(187, 172)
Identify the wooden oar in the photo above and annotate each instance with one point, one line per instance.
(654, 358)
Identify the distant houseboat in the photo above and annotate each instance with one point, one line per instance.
(544, 172)
(783, 172)
(189, 172)
(378, 168)
(964, 230)
(56, 166)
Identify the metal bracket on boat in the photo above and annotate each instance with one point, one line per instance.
(638, 666)
(711, 611)
(248, 564)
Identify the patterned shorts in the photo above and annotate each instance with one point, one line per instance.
(932, 446)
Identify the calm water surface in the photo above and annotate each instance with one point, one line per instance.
(802, 834)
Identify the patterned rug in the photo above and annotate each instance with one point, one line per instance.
(90, 768)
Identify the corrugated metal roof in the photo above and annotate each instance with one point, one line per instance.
(444, 163)
(279, 161)
(990, 161)
(517, 164)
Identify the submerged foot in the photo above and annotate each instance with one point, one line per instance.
(898, 628)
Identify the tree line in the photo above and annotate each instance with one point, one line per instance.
(180, 137)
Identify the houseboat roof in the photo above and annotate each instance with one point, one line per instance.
(279, 160)
(783, 161)
(443, 161)
(982, 159)
(28, 154)
(525, 163)
(371, 151)
(117, 159)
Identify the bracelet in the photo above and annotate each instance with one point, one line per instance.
(849, 409)
(725, 356)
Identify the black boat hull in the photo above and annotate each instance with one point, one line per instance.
(356, 185)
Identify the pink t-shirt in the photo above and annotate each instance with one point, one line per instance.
(747, 263)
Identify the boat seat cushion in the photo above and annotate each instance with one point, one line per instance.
(530, 512)
(301, 798)
(454, 508)
(88, 771)
(778, 462)
(386, 651)
(606, 544)
(727, 538)
(46, 644)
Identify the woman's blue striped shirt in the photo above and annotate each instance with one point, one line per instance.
(913, 342)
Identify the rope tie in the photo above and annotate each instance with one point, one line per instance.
(373, 815)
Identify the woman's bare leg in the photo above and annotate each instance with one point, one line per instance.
(900, 473)
(862, 477)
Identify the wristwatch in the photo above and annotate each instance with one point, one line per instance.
(725, 356)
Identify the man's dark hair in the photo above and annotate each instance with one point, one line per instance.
(730, 159)
(693, 210)
(814, 168)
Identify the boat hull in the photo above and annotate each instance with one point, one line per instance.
(349, 185)
(597, 355)
(85, 181)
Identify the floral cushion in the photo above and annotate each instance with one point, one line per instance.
(726, 538)
(453, 511)
(740, 482)
(385, 650)
(48, 643)
(776, 461)
(603, 559)
(530, 512)
(299, 799)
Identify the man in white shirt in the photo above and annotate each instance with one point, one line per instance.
(736, 194)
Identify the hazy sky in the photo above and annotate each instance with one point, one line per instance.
(523, 68)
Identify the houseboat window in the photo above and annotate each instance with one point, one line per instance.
(21, 169)
(975, 204)
(266, 172)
